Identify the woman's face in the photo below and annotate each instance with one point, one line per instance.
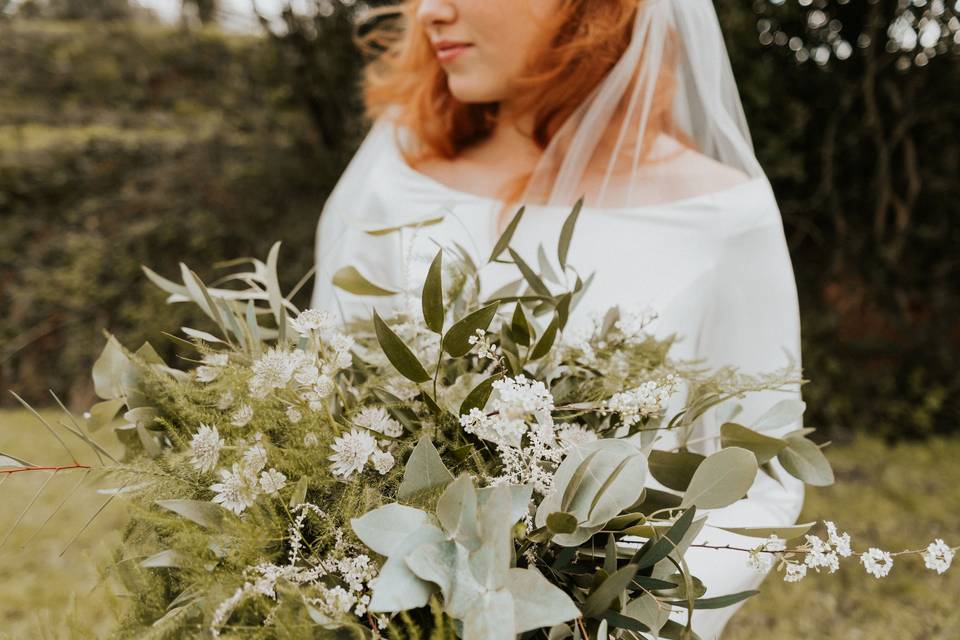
(483, 45)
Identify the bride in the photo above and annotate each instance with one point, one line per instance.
(479, 106)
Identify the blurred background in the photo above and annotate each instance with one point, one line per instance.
(149, 133)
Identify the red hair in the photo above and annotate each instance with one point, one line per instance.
(582, 41)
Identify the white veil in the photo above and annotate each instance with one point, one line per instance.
(676, 42)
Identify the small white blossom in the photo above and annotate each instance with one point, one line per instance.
(760, 560)
(382, 461)
(485, 349)
(294, 415)
(351, 452)
(310, 439)
(238, 488)
(795, 572)
(643, 401)
(275, 369)
(311, 320)
(242, 416)
(255, 457)
(205, 448)
(377, 419)
(574, 435)
(839, 541)
(938, 556)
(272, 481)
(225, 401)
(877, 562)
(633, 323)
(821, 555)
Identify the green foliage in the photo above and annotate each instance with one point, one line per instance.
(123, 145)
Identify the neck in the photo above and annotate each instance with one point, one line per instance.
(512, 136)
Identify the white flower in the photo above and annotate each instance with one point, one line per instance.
(795, 572)
(242, 416)
(574, 435)
(382, 461)
(313, 320)
(760, 559)
(643, 401)
(307, 374)
(377, 419)
(632, 324)
(274, 370)
(225, 401)
(485, 349)
(238, 488)
(877, 562)
(255, 457)
(294, 415)
(210, 369)
(205, 448)
(519, 397)
(311, 439)
(839, 541)
(272, 481)
(351, 452)
(938, 556)
(821, 554)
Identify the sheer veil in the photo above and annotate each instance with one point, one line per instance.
(676, 48)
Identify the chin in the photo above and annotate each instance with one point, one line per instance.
(472, 92)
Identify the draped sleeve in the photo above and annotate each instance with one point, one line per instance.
(753, 323)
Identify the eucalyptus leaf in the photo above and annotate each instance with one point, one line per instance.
(398, 353)
(783, 413)
(566, 233)
(561, 522)
(504, 241)
(424, 470)
(786, 532)
(674, 470)
(763, 447)
(456, 342)
(536, 602)
(352, 281)
(721, 479)
(608, 591)
(103, 413)
(110, 370)
(432, 298)
(803, 459)
(206, 514)
(385, 528)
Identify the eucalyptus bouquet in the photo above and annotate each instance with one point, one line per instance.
(462, 468)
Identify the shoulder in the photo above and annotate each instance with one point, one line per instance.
(687, 170)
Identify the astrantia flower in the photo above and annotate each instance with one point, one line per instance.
(272, 481)
(275, 369)
(242, 416)
(351, 452)
(210, 369)
(294, 415)
(205, 448)
(382, 461)
(938, 556)
(377, 419)
(225, 401)
(877, 562)
(238, 488)
(311, 439)
(313, 320)
(255, 457)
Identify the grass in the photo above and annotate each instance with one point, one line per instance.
(893, 498)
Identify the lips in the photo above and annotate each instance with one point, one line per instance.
(448, 50)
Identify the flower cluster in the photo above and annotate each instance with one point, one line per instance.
(352, 451)
(644, 401)
(485, 348)
(825, 554)
(246, 480)
(515, 402)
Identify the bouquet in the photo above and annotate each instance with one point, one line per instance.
(463, 468)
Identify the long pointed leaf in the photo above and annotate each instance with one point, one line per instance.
(398, 353)
(507, 235)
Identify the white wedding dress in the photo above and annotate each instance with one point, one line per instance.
(715, 267)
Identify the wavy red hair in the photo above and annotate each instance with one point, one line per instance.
(582, 41)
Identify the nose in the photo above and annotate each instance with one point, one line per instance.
(433, 13)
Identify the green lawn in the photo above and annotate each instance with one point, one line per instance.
(892, 498)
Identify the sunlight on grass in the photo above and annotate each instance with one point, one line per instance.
(892, 498)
